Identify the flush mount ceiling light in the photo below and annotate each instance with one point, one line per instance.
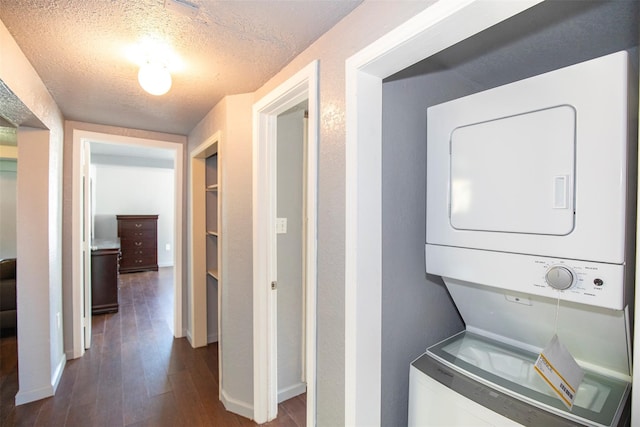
(154, 78)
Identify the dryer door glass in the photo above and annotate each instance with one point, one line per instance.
(515, 174)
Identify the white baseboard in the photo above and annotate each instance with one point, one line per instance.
(49, 390)
(32, 395)
(57, 373)
(291, 391)
(237, 407)
(187, 334)
(165, 264)
(212, 338)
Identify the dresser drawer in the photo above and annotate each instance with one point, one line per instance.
(138, 234)
(138, 242)
(137, 225)
(138, 262)
(134, 251)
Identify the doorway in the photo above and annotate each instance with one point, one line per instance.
(301, 88)
(81, 140)
(291, 159)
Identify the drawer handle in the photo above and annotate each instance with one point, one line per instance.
(138, 225)
(138, 234)
(138, 243)
(138, 261)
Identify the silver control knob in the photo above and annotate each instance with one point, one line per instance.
(559, 277)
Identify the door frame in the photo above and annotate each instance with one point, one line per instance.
(77, 297)
(302, 86)
(441, 25)
(86, 203)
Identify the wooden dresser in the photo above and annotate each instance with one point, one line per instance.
(105, 254)
(138, 242)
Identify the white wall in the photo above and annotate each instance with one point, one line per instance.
(39, 227)
(364, 25)
(126, 190)
(290, 152)
(8, 175)
(232, 117)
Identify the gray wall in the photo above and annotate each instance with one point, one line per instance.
(416, 310)
(289, 252)
(8, 175)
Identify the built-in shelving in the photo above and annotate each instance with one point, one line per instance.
(212, 207)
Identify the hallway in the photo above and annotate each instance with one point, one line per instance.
(135, 373)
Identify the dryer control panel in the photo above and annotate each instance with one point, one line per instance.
(582, 281)
(592, 283)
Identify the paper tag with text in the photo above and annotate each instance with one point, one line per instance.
(560, 371)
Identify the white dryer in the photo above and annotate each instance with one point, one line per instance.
(530, 223)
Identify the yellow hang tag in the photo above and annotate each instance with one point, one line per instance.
(560, 371)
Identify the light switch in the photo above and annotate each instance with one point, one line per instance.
(281, 225)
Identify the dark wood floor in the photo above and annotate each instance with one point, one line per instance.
(135, 374)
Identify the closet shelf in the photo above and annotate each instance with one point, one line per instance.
(213, 273)
(212, 233)
(212, 187)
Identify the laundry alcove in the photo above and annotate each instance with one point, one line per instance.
(416, 309)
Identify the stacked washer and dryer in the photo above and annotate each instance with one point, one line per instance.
(531, 196)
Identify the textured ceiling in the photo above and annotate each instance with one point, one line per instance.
(82, 50)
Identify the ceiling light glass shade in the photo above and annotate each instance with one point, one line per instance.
(154, 78)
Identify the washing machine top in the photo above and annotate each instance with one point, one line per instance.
(599, 400)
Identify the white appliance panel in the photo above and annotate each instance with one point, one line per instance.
(515, 174)
(463, 379)
(595, 284)
(433, 404)
(597, 338)
(598, 92)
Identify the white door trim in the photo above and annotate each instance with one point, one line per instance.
(302, 86)
(439, 26)
(86, 242)
(76, 211)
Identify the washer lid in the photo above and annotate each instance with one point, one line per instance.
(597, 337)
(599, 400)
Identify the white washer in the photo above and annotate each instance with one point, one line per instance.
(471, 380)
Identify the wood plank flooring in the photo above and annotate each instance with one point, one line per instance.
(135, 374)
